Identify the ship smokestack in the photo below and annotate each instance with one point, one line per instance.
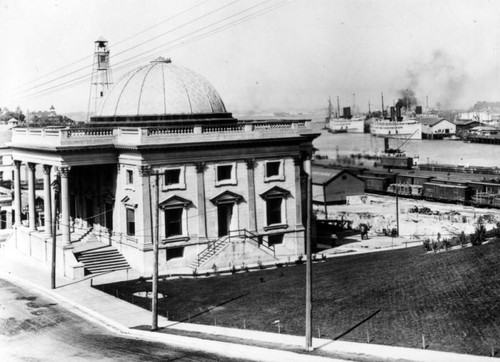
(418, 109)
(393, 114)
(386, 144)
(347, 112)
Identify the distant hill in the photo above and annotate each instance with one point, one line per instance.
(76, 116)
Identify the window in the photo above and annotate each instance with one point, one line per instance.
(130, 222)
(275, 217)
(174, 253)
(224, 172)
(173, 222)
(130, 177)
(275, 239)
(274, 210)
(172, 177)
(175, 213)
(273, 168)
(273, 171)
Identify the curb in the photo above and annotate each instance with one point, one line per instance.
(226, 349)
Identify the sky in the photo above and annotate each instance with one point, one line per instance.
(280, 55)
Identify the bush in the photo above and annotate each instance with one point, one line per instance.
(259, 263)
(479, 235)
(427, 245)
(299, 259)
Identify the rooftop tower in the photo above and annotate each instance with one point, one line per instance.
(101, 79)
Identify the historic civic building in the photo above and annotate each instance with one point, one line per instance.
(164, 158)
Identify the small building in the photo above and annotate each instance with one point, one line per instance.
(332, 186)
(437, 128)
(465, 124)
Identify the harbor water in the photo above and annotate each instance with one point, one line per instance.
(455, 152)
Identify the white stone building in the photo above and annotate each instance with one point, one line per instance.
(227, 192)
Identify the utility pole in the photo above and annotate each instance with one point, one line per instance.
(308, 170)
(55, 185)
(397, 209)
(154, 301)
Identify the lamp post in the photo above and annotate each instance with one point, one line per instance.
(56, 187)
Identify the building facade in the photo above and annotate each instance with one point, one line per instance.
(165, 161)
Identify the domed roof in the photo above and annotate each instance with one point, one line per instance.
(161, 88)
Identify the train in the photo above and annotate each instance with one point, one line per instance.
(473, 193)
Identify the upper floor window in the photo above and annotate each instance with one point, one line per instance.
(274, 171)
(173, 178)
(225, 174)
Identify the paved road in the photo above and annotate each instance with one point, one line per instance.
(34, 329)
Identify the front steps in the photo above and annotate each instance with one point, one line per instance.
(101, 260)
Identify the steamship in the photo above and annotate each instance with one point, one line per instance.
(396, 126)
(344, 124)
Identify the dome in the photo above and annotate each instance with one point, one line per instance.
(161, 88)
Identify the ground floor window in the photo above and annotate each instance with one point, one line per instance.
(130, 222)
(274, 210)
(173, 221)
(175, 253)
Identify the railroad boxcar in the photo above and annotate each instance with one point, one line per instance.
(487, 187)
(447, 192)
(405, 190)
(374, 184)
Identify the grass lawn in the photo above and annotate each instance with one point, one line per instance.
(453, 298)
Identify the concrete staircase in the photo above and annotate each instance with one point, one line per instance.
(212, 249)
(101, 259)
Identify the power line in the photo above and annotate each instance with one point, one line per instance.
(114, 44)
(84, 78)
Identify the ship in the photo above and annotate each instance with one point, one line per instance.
(344, 124)
(397, 126)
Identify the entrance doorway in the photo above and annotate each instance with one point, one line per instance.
(224, 216)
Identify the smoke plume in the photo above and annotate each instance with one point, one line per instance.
(442, 78)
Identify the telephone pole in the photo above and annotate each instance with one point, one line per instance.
(154, 235)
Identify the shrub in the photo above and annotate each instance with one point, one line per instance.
(233, 270)
(279, 265)
(299, 259)
(259, 263)
(214, 268)
(427, 245)
(479, 235)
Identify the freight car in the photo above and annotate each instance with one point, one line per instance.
(407, 190)
(447, 192)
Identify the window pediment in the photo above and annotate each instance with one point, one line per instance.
(226, 197)
(274, 192)
(174, 202)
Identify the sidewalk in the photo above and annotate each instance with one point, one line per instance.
(128, 320)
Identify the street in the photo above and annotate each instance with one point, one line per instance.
(34, 329)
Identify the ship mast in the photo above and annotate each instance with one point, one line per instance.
(382, 104)
(338, 107)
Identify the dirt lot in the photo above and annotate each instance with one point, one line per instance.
(380, 213)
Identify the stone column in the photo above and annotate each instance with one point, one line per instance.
(202, 210)
(252, 215)
(144, 216)
(17, 192)
(65, 227)
(47, 199)
(31, 195)
(297, 161)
